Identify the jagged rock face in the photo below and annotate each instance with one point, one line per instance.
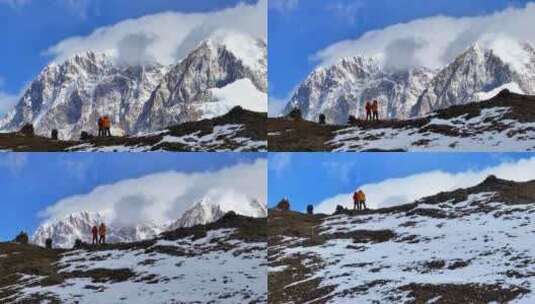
(78, 226)
(343, 88)
(185, 90)
(477, 70)
(72, 95)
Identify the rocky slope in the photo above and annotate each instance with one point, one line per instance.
(342, 89)
(223, 262)
(506, 122)
(226, 70)
(238, 130)
(465, 246)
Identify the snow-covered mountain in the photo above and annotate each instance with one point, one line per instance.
(208, 211)
(476, 74)
(471, 245)
(225, 70)
(342, 89)
(64, 232)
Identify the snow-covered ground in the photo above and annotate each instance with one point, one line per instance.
(224, 138)
(480, 133)
(214, 269)
(480, 240)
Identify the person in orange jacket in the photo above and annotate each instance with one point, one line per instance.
(102, 234)
(368, 108)
(107, 126)
(94, 231)
(375, 109)
(362, 200)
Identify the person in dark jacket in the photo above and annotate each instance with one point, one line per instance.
(94, 231)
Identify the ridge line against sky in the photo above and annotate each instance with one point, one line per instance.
(387, 179)
(411, 35)
(109, 181)
(135, 31)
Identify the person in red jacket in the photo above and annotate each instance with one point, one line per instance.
(94, 231)
(356, 203)
(368, 108)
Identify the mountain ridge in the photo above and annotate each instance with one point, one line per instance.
(341, 89)
(70, 96)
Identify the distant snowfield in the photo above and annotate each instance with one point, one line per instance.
(213, 269)
(474, 246)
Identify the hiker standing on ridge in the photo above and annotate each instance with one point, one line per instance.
(368, 108)
(101, 126)
(362, 200)
(356, 202)
(107, 125)
(94, 231)
(102, 234)
(375, 110)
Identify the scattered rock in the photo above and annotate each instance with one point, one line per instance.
(27, 130)
(22, 238)
(48, 243)
(284, 204)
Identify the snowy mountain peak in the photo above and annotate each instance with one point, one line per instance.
(142, 98)
(210, 209)
(65, 231)
(341, 89)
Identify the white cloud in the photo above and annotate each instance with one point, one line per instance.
(166, 37)
(163, 197)
(397, 191)
(435, 41)
(283, 5)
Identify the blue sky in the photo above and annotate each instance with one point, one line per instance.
(29, 27)
(314, 177)
(30, 182)
(299, 29)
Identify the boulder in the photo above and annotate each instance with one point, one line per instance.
(352, 120)
(295, 114)
(322, 119)
(27, 130)
(284, 205)
(22, 238)
(86, 136)
(54, 134)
